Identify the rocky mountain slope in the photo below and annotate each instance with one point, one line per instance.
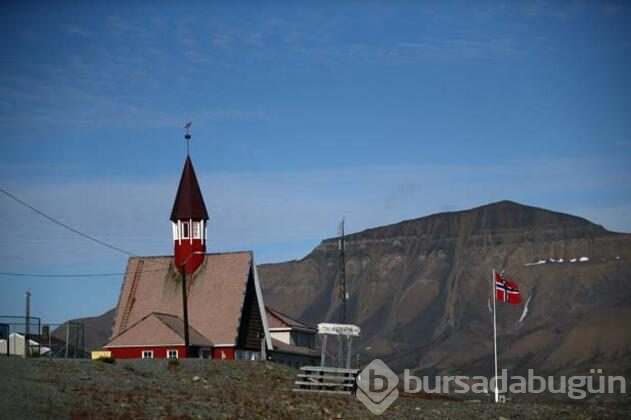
(420, 289)
(97, 330)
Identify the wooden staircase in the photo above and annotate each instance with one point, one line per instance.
(131, 298)
(326, 380)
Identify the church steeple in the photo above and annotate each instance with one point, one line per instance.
(189, 217)
(189, 202)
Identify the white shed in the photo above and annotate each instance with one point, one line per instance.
(16, 346)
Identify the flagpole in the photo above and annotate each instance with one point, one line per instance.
(494, 291)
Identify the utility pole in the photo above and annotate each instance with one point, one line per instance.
(185, 309)
(343, 293)
(28, 325)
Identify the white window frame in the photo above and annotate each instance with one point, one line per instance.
(196, 231)
(247, 355)
(169, 354)
(186, 226)
(147, 354)
(176, 234)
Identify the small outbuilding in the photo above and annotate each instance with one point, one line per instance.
(293, 341)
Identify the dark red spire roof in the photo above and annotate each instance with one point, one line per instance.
(189, 202)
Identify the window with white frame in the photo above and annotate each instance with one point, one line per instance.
(147, 354)
(171, 354)
(185, 232)
(247, 355)
(196, 230)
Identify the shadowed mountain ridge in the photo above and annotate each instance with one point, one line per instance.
(419, 289)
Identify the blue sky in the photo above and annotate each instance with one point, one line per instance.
(302, 113)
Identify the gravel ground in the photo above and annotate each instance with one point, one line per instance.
(41, 388)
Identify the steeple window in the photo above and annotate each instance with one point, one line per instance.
(185, 230)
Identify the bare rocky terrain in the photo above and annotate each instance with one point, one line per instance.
(97, 329)
(419, 290)
(78, 389)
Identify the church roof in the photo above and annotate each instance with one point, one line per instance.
(189, 202)
(216, 292)
(158, 329)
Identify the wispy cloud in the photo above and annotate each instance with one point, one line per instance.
(220, 40)
(231, 114)
(458, 48)
(317, 38)
(74, 29)
(129, 28)
(80, 101)
(299, 45)
(562, 10)
(190, 45)
(258, 210)
(610, 9)
(111, 113)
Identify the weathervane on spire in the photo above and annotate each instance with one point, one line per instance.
(187, 135)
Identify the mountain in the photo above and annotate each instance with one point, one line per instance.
(97, 330)
(419, 289)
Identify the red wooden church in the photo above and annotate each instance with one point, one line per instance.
(226, 312)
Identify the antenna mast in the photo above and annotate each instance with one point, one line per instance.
(187, 135)
(343, 293)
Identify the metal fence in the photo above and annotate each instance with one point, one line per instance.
(28, 337)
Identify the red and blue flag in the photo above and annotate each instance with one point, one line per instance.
(506, 290)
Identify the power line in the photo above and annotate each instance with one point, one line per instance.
(65, 226)
(78, 232)
(74, 275)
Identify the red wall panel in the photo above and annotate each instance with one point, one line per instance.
(228, 353)
(136, 352)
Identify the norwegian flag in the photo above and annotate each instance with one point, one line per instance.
(506, 290)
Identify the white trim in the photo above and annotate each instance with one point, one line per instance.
(259, 297)
(283, 329)
(175, 233)
(197, 231)
(142, 345)
(190, 230)
(179, 232)
(176, 354)
(142, 354)
(201, 230)
(224, 345)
